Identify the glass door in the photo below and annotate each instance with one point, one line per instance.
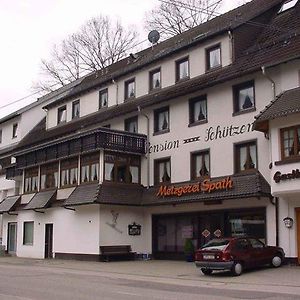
(12, 238)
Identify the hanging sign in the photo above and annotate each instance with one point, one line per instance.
(134, 229)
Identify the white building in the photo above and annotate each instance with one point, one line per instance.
(206, 172)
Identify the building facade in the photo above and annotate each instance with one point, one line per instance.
(160, 147)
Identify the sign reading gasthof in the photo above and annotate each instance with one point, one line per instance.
(206, 186)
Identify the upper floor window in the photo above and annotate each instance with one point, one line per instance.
(69, 172)
(31, 180)
(287, 5)
(200, 164)
(0, 136)
(90, 168)
(245, 156)
(131, 124)
(130, 88)
(154, 79)
(213, 57)
(290, 142)
(162, 170)
(103, 98)
(244, 97)
(198, 110)
(15, 130)
(161, 120)
(182, 69)
(76, 109)
(49, 176)
(122, 168)
(62, 114)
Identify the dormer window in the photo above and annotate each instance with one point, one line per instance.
(287, 5)
(103, 98)
(15, 130)
(130, 89)
(62, 115)
(213, 57)
(76, 109)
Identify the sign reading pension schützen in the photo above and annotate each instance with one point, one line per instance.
(206, 186)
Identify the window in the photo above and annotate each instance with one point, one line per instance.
(154, 79)
(106, 126)
(256, 244)
(162, 171)
(213, 57)
(28, 233)
(49, 176)
(31, 180)
(182, 69)
(90, 168)
(122, 168)
(200, 164)
(15, 130)
(103, 98)
(287, 5)
(131, 124)
(130, 88)
(198, 110)
(76, 109)
(244, 97)
(246, 156)
(62, 115)
(69, 172)
(161, 120)
(290, 142)
(0, 136)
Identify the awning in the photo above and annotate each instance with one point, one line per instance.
(83, 194)
(41, 200)
(8, 204)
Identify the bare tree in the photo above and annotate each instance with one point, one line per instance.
(98, 43)
(173, 17)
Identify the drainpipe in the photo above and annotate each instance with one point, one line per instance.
(147, 146)
(277, 219)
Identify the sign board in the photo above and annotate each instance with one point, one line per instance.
(134, 229)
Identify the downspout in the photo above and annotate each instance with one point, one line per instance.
(277, 219)
(147, 146)
(117, 91)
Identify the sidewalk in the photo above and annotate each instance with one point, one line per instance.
(284, 280)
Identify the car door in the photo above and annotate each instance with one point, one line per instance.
(241, 252)
(258, 252)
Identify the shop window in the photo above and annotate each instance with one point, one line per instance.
(62, 115)
(162, 171)
(154, 79)
(244, 97)
(290, 142)
(15, 130)
(129, 89)
(90, 168)
(76, 109)
(31, 180)
(200, 164)
(69, 172)
(245, 156)
(122, 168)
(213, 57)
(103, 98)
(28, 233)
(161, 120)
(198, 110)
(182, 69)
(49, 176)
(131, 124)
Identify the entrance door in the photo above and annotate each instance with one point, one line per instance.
(298, 232)
(12, 238)
(49, 241)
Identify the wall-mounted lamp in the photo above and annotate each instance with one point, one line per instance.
(288, 222)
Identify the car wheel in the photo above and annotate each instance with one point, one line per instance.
(237, 269)
(206, 271)
(276, 261)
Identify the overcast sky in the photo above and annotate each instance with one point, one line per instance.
(29, 28)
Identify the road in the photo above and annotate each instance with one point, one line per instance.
(49, 282)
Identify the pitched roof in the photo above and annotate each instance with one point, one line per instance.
(285, 104)
(8, 204)
(41, 200)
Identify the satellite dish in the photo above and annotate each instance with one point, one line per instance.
(153, 36)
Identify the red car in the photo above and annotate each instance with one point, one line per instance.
(236, 254)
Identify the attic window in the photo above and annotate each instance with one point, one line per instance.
(287, 5)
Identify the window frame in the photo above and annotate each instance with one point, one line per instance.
(151, 85)
(126, 86)
(192, 103)
(157, 163)
(193, 164)
(74, 103)
(236, 90)
(30, 243)
(294, 157)
(207, 57)
(102, 92)
(29, 173)
(59, 111)
(48, 168)
(15, 130)
(237, 158)
(89, 160)
(128, 121)
(72, 162)
(156, 112)
(177, 69)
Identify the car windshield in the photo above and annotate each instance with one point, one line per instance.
(219, 244)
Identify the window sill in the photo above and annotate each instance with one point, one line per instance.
(244, 111)
(154, 90)
(213, 69)
(129, 98)
(287, 161)
(250, 171)
(182, 79)
(161, 132)
(89, 182)
(67, 186)
(200, 122)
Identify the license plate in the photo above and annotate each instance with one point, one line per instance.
(208, 256)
